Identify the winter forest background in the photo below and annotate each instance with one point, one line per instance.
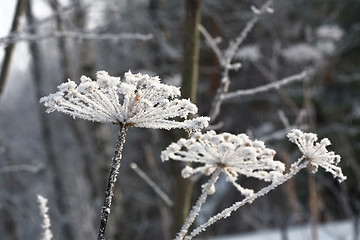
(67, 160)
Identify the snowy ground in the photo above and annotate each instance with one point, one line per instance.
(343, 230)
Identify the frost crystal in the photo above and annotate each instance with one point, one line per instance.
(316, 152)
(234, 154)
(139, 100)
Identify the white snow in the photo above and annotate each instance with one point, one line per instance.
(341, 230)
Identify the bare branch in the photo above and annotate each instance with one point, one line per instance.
(212, 44)
(228, 57)
(77, 35)
(267, 87)
(152, 184)
(21, 167)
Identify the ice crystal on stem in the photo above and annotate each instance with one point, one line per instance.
(47, 235)
(316, 153)
(234, 154)
(139, 101)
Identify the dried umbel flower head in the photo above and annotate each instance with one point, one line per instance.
(233, 154)
(316, 152)
(139, 100)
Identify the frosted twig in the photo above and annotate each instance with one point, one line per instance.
(207, 189)
(213, 44)
(47, 235)
(152, 184)
(226, 60)
(227, 212)
(77, 35)
(109, 193)
(230, 52)
(266, 87)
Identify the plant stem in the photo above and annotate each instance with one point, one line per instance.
(109, 193)
(227, 212)
(196, 208)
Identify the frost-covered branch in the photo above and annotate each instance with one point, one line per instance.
(47, 235)
(207, 189)
(77, 35)
(249, 199)
(227, 56)
(266, 87)
(213, 44)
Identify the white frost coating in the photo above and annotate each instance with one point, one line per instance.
(47, 235)
(316, 153)
(234, 154)
(301, 53)
(139, 100)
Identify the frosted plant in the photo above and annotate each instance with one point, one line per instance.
(316, 153)
(45, 216)
(230, 154)
(139, 101)
(237, 154)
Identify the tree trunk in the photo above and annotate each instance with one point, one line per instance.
(10, 48)
(183, 187)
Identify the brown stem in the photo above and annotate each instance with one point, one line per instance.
(109, 193)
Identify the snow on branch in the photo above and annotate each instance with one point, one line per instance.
(76, 35)
(213, 44)
(47, 235)
(267, 87)
(226, 57)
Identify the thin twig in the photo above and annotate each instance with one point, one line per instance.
(21, 167)
(79, 35)
(227, 212)
(196, 208)
(36, 24)
(109, 193)
(152, 184)
(267, 87)
(226, 60)
(212, 44)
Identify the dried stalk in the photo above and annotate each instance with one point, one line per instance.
(109, 193)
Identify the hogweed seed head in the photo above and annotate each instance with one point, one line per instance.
(316, 153)
(139, 100)
(234, 154)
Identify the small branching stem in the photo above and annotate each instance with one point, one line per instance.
(227, 212)
(109, 193)
(196, 208)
